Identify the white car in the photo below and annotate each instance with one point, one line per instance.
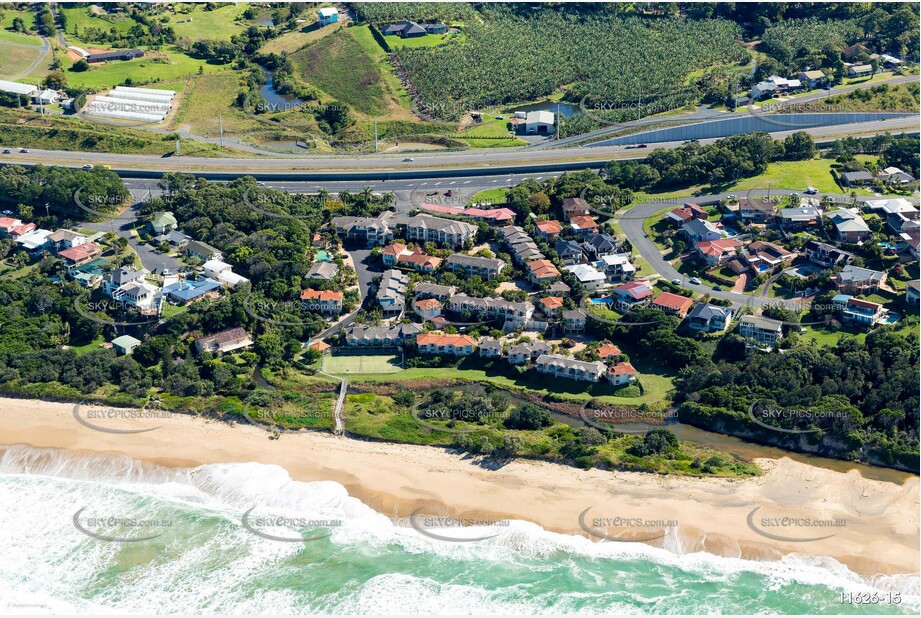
(695, 280)
(408, 160)
(87, 167)
(676, 281)
(811, 190)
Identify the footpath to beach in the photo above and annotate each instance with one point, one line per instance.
(879, 533)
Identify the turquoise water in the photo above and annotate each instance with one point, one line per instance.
(204, 559)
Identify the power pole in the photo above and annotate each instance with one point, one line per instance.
(177, 147)
(375, 135)
(220, 122)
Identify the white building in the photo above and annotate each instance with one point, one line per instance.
(223, 272)
(539, 122)
(16, 88)
(587, 275)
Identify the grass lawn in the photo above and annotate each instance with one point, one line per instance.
(340, 66)
(290, 42)
(88, 347)
(79, 18)
(14, 60)
(491, 196)
(157, 66)
(794, 175)
(491, 133)
(346, 364)
(207, 98)
(220, 23)
(7, 34)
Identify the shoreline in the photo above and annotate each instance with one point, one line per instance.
(880, 534)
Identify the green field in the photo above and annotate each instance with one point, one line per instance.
(6, 23)
(429, 40)
(347, 364)
(795, 175)
(14, 60)
(168, 65)
(79, 18)
(220, 23)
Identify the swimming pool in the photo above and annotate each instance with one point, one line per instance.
(602, 301)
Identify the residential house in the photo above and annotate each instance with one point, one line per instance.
(774, 85)
(20, 230)
(550, 306)
(372, 231)
(574, 320)
(322, 271)
(687, 212)
(622, 373)
(673, 304)
(390, 253)
(488, 268)
(125, 344)
(526, 251)
(587, 275)
(565, 367)
(855, 179)
(856, 311)
(522, 353)
(121, 54)
(327, 15)
(410, 29)
(849, 227)
(825, 255)
(35, 241)
(632, 294)
(7, 224)
(600, 245)
(428, 308)
(859, 70)
(557, 288)
(320, 346)
(443, 343)
(426, 228)
(709, 318)
(327, 302)
(391, 291)
(574, 207)
(799, 218)
(433, 290)
(548, 229)
(490, 347)
(223, 273)
(856, 280)
(763, 256)
(608, 350)
(381, 336)
(813, 79)
(174, 239)
(419, 261)
(146, 297)
(617, 267)
(569, 251)
(756, 210)
(121, 277)
(719, 251)
(516, 313)
(80, 254)
(67, 239)
(183, 292)
(202, 251)
(583, 225)
(912, 293)
(542, 270)
(492, 216)
(764, 331)
(163, 222)
(893, 176)
(229, 340)
(699, 230)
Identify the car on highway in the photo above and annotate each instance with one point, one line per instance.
(642, 146)
(695, 280)
(676, 281)
(408, 160)
(7, 151)
(260, 184)
(23, 151)
(88, 166)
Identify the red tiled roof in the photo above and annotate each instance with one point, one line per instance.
(675, 302)
(420, 259)
(583, 222)
(621, 369)
(394, 249)
(80, 252)
(428, 304)
(491, 214)
(635, 289)
(321, 295)
(322, 346)
(549, 227)
(543, 269)
(551, 302)
(440, 339)
(864, 303)
(718, 247)
(608, 349)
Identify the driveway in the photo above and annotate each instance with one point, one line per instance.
(366, 269)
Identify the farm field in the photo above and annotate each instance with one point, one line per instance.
(16, 59)
(157, 67)
(80, 18)
(795, 175)
(365, 364)
(206, 98)
(290, 42)
(429, 40)
(219, 23)
(7, 35)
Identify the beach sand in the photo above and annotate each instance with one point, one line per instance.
(880, 531)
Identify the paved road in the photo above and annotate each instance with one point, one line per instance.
(436, 164)
(632, 225)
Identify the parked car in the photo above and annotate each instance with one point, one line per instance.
(695, 280)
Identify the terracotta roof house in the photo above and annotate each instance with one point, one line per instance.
(551, 305)
(390, 253)
(673, 304)
(443, 343)
(763, 256)
(632, 294)
(429, 308)
(685, 213)
(756, 210)
(857, 311)
(583, 225)
(548, 229)
(225, 341)
(420, 261)
(324, 301)
(80, 254)
(622, 373)
(320, 346)
(574, 206)
(607, 350)
(491, 215)
(542, 270)
(717, 251)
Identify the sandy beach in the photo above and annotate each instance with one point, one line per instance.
(876, 529)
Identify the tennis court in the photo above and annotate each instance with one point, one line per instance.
(349, 364)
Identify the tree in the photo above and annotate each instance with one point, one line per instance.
(799, 146)
(80, 66)
(655, 442)
(528, 416)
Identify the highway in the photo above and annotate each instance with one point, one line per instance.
(433, 165)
